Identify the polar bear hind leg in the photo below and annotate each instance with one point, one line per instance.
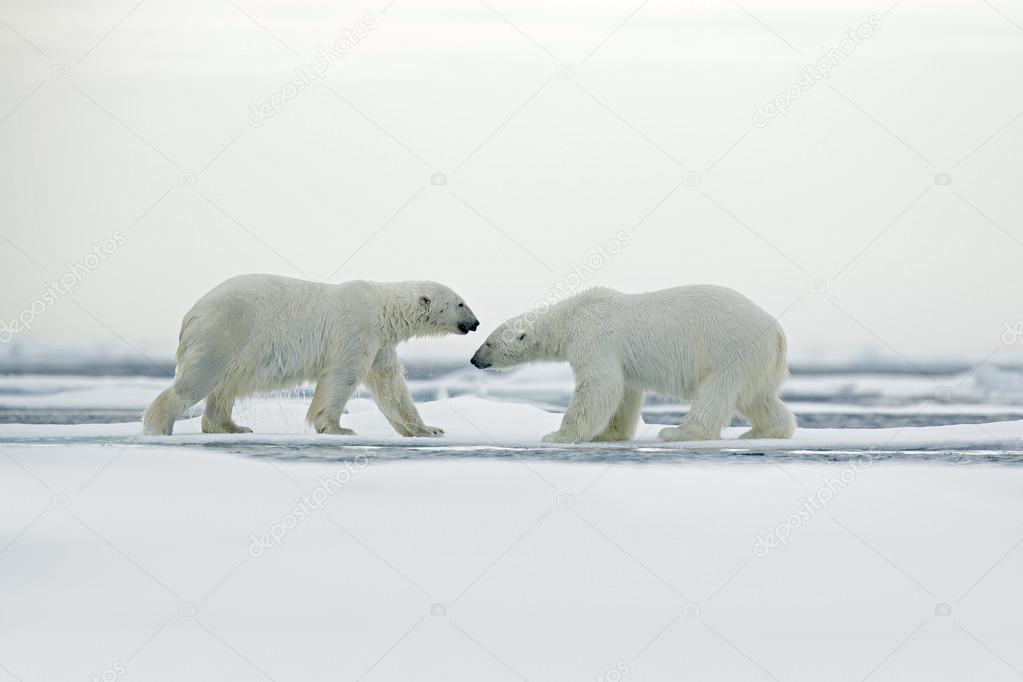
(159, 417)
(198, 372)
(216, 417)
(623, 424)
(712, 408)
(770, 417)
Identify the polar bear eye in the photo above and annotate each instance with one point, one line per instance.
(522, 336)
(461, 305)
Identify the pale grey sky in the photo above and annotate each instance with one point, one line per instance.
(893, 186)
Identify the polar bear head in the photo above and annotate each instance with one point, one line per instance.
(516, 341)
(442, 311)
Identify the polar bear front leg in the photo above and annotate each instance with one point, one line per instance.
(593, 403)
(333, 390)
(623, 424)
(386, 382)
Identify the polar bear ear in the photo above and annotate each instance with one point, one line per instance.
(425, 300)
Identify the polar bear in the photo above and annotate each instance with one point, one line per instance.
(702, 343)
(262, 332)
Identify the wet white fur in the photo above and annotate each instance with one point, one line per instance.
(262, 332)
(702, 343)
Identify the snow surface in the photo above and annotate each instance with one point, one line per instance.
(143, 557)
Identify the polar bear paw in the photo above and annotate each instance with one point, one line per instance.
(426, 431)
(765, 434)
(681, 433)
(229, 427)
(334, 430)
(610, 437)
(559, 437)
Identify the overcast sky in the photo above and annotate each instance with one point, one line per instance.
(494, 146)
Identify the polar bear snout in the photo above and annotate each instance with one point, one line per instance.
(445, 312)
(477, 362)
(467, 320)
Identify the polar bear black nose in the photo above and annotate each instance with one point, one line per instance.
(475, 325)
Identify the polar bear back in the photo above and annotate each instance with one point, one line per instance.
(281, 309)
(678, 334)
(278, 330)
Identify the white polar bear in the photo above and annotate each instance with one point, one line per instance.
(702, 343)
(262, 332)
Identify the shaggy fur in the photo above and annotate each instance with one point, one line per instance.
(261, 332)
(702, 343)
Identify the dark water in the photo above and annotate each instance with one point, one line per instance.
(22, 415)
(608, 454)
(605, 453)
